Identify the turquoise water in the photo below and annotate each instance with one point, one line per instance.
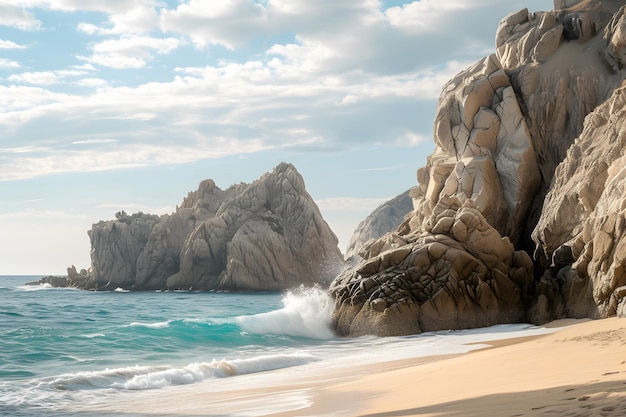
(58, 340)
(60, 348)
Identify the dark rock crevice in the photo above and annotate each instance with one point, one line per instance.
(524, 221)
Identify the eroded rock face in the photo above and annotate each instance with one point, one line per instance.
(386, 218)
(115, 248)
(549, 97)
(268, 235)
(458, 274)
(583, 225)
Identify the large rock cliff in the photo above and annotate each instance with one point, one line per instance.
(268, 235)
(520, 212)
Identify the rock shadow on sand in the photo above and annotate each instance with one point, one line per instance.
(596, 399)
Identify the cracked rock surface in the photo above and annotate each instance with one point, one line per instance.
(519, 213)
(268, 235)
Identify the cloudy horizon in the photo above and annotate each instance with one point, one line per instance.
(129, 104)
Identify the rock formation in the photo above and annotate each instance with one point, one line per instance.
(520, 210)
(384, 219)
(268, 235)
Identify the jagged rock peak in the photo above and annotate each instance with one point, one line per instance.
(290, 177)
(267, 235)
(204, 191)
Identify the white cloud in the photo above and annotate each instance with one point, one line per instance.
(140, 19)
(349, 73)
(44, 77)
(297, 60)
(108, 6)
(24, 149)
(84, 67)
(228, 23)
(130, 52)
(8, 64)
(22, 103)
(210, 112)
(36, 78)
(13, 14)
(31, 162)
(94, 141)
(426, 15)
(91, 82)
(332, 36)
(411, 139)
(4, 44)
(90, 29)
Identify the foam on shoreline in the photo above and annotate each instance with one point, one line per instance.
(319, 387)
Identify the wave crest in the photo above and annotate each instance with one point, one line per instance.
(306, 312)
(145, 377)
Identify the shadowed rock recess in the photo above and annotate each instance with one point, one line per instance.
(520, 212)
(268, 235)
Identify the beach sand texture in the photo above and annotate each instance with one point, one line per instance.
(579, 370)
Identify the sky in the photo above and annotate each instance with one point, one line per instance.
(109, 105)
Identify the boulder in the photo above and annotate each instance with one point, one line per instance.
(519, 211)
(460, 274)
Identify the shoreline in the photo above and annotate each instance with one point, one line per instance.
(577, 370)
(580, 370)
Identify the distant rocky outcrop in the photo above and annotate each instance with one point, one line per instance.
(520, 212)
(267, 235)
(384, 219)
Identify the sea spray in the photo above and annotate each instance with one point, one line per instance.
(306, 312)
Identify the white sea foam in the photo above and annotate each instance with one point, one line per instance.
(44, 286)
(157, 325)
(120, 289)
(92, 335)
(38, 287)
(306, 313)
(151, 377)
(371, 349)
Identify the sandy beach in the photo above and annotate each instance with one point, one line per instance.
(579, 370)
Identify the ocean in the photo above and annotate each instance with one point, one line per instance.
(66, 352)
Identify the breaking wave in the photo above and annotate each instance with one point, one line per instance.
(151, 377)
(306, 313)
